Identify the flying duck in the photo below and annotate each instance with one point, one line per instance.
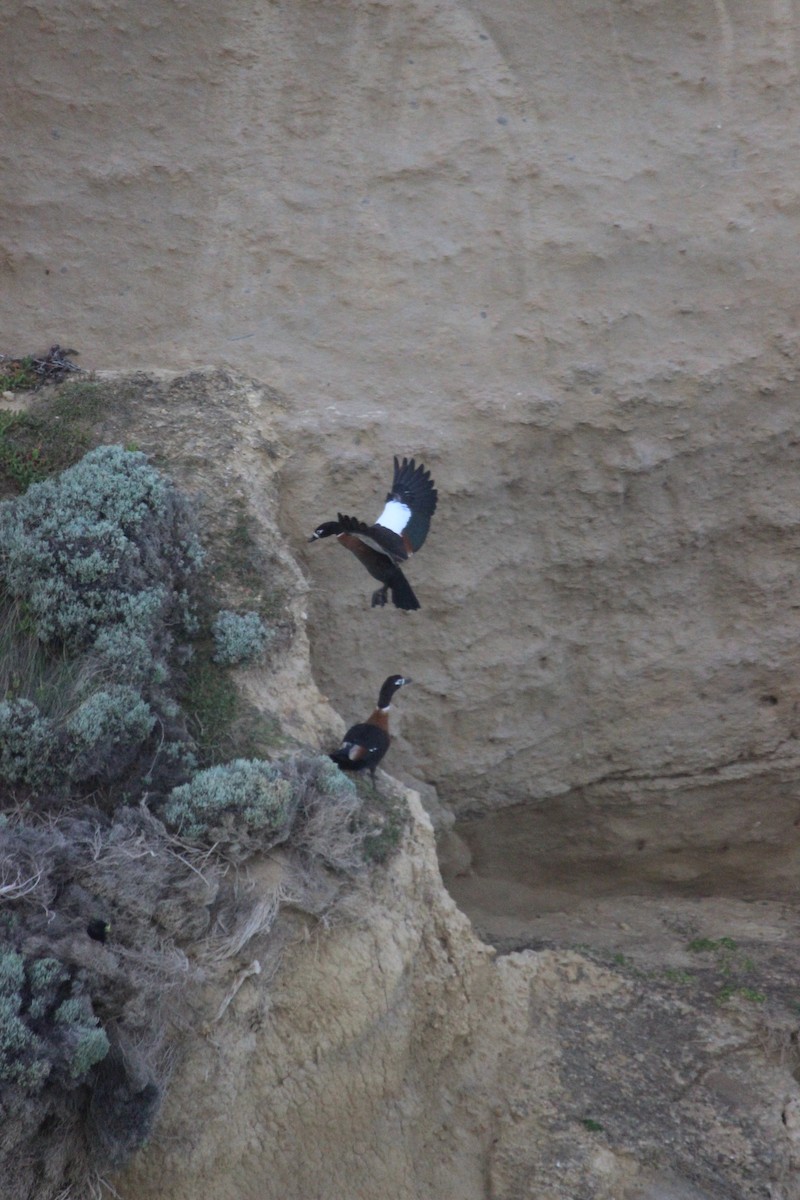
(398, 532)
(364, 745)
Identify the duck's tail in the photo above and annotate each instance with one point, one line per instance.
(402, 595)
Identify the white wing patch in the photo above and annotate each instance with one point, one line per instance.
(395, 516)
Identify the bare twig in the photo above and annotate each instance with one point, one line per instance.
(15, 889)
(245, 973)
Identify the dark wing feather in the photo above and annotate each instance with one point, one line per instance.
(363, 746)
(385, 541)
(402, 592)
(412, 485)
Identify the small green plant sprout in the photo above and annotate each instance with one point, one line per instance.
(239, 638)
(628, 964)
(729, 958)
(239, 807)
(729, 992)
(678, 975)
(703, 945)
(17, 374)
(731, 963)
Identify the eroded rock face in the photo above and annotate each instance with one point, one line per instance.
(344, 1075)
(393, 1055)
(644, 1048)
(549, 251)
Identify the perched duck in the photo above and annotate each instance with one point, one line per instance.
(398, 532)
(364, 745)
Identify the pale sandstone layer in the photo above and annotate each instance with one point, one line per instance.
(549, 249)
(393, 1055)
(552, 250)
(387, 1051)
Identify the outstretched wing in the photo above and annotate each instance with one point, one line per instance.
(410, 504)
(384, 540)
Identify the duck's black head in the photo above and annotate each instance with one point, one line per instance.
(328, 529)
(390, 686)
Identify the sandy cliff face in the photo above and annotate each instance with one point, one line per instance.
(647, 1049)
(392, 1055)
(550, 249)
(350, 1073)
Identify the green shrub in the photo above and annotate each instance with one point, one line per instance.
(240, 807)
(383, 820)
(239, 638)
(23, 1058)
(383, 832)
(328, 828)
(107, 732)
(120, 655)
(45, 976)
(20, 465)
(28, 745)
(107, 543)
(94, 567)
(82, 1042)
(41, 1035)
(12, 972)
(330, 781)
(84, 1047)
(17, 374)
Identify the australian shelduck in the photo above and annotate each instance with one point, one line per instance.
(398, 532)
(364, 745)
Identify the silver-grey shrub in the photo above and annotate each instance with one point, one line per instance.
(120, 655)
(28, 745)
(247, 806)
(96, 564)
(106, 733)
(106, 543)
(47, 1024)
(327, 827)
(238, 807)
(239, 637)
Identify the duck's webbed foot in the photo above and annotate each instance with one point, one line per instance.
(379, 598)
